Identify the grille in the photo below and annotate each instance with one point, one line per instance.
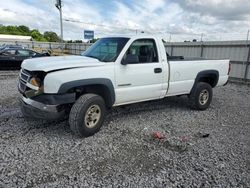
(23, 79)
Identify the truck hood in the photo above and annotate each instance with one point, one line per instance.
(47, 64)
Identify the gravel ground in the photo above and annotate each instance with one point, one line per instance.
(200, 148)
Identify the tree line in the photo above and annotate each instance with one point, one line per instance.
(47, 36)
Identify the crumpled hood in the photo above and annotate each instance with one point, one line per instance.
(47, 64)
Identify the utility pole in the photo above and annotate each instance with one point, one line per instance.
(248, 56)
(59, 7)
(248, 31)
(201, 37)
(201, 42)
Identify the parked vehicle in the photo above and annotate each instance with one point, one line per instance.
(8, 46)
(12, 57)
(114, 71)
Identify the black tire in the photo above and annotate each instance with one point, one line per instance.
(77, 117)
(196, 96)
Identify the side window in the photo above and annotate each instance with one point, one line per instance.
(22, 53)
(9, 53)
(145, 49)
(32, 53)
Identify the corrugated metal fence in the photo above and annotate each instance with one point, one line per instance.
(237, 51)
(55, 47)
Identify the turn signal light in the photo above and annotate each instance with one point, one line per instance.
(35, 82)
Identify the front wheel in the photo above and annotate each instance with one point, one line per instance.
(87, 115)
(201, 96)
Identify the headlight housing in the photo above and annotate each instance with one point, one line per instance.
(35, 82)
(36, 87)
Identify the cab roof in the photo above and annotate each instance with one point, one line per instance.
(134, 36)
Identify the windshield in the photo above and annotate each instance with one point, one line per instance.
(106, 49)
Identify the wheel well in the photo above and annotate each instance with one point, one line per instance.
(209, 76)
(210, 79)
(98, 89)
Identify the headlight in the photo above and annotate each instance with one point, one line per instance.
(35, 82)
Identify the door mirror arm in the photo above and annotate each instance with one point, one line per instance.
(123, 62)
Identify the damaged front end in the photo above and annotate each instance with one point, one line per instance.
(31, 83)
(36, 103)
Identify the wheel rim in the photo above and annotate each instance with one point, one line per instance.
(203, 97)
(92, 116)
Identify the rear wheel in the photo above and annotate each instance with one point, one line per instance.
(87, 115)
(201, 96)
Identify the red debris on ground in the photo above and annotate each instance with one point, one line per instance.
(184, 138)
(158, 135)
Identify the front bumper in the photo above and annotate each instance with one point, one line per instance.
(37, 110)
(46, 106)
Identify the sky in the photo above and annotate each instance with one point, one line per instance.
(177, 20)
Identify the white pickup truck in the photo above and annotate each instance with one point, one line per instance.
(114, 71)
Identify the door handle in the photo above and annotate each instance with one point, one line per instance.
(157, 70)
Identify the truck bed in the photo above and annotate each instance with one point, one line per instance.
(177, 58)
(182, 58)
(184, 72)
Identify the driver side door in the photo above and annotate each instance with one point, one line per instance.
(141, 80)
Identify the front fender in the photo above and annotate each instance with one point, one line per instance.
(109, 88)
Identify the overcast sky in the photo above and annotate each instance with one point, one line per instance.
(183, 19)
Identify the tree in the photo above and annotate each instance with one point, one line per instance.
(35, 34)
(15, 30)
(51, 36)
(78, 41)
(11, 30)
(93, 40)
(48, 36)
(24, 29)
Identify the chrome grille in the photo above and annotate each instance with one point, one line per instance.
(24, 77)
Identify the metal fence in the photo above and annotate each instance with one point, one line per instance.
(237, 51)
(55, 47)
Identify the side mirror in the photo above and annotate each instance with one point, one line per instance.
(130, 59)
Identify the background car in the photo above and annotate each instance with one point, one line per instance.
(13, 57)
(8, 46)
